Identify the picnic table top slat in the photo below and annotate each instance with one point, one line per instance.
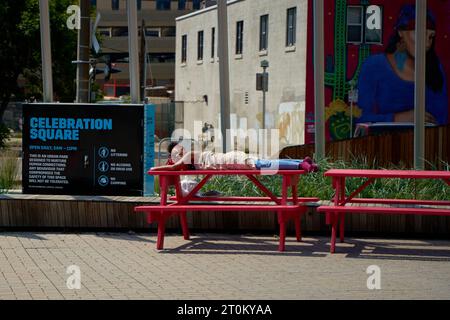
(225, 172)
(407, 174)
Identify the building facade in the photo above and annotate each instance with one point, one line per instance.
(275, 31)
(160, 30)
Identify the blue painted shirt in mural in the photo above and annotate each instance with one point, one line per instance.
(382, 93)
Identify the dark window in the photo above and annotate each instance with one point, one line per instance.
(213, 42)
(181, 4)
(153, 32)
(119, 32)
(122, 91)
(93, 3)
(196, 4)
(263, 32)
(168, 32)
(200, 46)
(104, 31)
(355, 24)
(163, 4)
(291, 27)
(184, 48)
(239, 36)
(163, 57)
(115, 4)
(139, 4)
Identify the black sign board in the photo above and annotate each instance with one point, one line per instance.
(262, 82)
(83, 149)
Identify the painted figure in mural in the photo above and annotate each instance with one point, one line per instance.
(386, 81)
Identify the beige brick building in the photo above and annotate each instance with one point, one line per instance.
(259, 30)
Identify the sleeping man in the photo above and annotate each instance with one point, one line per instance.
(179, 159)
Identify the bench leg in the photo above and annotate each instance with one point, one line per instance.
(334, 224)
(298, 230)
(282, 223)
(342, 227)
(281, 246)
(161, 231)
(184, 225)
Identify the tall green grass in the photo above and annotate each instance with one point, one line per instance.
(317, 185)
(8, 171)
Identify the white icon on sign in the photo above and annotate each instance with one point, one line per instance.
(103, 166)
(103, 181)
(103, 152)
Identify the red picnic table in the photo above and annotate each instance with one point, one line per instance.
(336, 213)
(287, 208)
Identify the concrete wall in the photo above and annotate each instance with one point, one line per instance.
(286, 95)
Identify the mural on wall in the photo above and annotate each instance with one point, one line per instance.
(369, 66)
(290, 118)
(290, 122)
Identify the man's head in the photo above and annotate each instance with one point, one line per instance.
(175, 151)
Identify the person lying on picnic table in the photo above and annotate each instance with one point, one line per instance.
(179, 159)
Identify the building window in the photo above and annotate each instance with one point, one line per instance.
(119, 31)
(163, 57)
(196, 4)
(162, 4)
(355, 24)
(104, 31)
(153, 32)
(181, 4)
(263, 32)
(213, 42)
(139, 4)
(93, 3)
(291, 27)
(200, 46)
(184, 49)
(239, 36)
(115, 4)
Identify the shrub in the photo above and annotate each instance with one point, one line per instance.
(4, 135)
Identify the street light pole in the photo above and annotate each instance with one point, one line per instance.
(46, 52)
(133, 50)
(319, 79)
(224, 70)
(83, 53)
(420, 83)
(264, 65)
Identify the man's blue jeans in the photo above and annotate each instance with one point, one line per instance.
(279, 164)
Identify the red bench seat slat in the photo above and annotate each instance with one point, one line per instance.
(386, 210)
(239, 208)
(247, 199)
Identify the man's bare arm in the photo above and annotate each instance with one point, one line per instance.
(181, 164)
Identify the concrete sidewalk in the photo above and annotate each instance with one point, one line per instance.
(210, 266)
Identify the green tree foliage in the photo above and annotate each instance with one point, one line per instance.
(20, 51)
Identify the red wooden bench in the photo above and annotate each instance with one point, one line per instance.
(287, 208)
(343, 204)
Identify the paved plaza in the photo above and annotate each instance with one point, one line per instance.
(212, 266)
